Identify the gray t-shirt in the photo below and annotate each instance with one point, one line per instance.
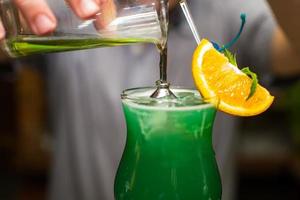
(85, 92)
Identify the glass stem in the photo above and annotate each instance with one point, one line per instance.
(163, 87)
(163, 64)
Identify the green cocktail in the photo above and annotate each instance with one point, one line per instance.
(168, 153)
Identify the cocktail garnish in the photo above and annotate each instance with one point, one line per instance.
(253, 76)
(235, 39)
(232, 59)
(217, 76)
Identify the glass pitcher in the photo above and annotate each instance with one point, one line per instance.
(168, 153)
(133, 21)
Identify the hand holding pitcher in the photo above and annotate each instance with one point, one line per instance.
(44, 26)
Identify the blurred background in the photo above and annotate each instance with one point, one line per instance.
(267, 158)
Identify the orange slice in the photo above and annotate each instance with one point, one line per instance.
(214, 76)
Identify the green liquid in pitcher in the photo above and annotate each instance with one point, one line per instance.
(28, 45)
(168, 153)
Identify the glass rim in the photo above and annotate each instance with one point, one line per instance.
(211, 101)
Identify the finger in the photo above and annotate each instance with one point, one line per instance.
(85, 8)
(108, 13)
(38, 15)
(2, 32)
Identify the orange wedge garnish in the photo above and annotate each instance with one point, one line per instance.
(215, 77)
